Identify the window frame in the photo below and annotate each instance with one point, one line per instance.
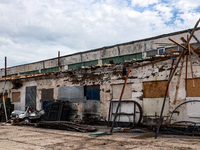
(158, 50)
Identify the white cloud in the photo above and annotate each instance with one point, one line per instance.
(165, 11)
(186, 5)
(143, 3)
(35, 30)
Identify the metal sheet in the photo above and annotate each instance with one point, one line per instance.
(71, 93)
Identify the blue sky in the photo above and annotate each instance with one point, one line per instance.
(35, 30)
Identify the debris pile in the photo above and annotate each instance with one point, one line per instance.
(66, 125)
(61, 125)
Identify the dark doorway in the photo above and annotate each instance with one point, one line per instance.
(30, 97)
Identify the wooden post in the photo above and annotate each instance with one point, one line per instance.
(189, 49)
(178, 82)
(186, 73)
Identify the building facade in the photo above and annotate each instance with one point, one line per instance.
(92, 82)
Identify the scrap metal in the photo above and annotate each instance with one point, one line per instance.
(61, 125)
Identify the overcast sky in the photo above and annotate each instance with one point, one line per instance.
(34, 30)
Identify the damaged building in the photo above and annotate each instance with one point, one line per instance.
(91, 82)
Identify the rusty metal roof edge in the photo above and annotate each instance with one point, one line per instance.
(16, 77)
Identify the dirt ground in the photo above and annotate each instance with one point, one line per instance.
(32, 138)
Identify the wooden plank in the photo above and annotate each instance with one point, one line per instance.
(189, 49)
(174, 51)
(186, 71)
(196, 25)
(178, 82)
(178, 43)
(193, 91)
(154, 89)
(193, 50)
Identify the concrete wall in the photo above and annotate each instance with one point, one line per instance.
(109, 77)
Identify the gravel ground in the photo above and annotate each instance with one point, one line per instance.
(31, 138)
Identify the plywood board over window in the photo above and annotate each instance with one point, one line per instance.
(155, 89)
(193, 91)
(47, 95)
(15, 96)
(117, 91)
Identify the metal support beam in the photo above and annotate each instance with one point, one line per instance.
(194, 36)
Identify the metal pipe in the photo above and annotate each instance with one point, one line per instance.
(159, 122)
(191, 101)
(4, 105)
(5, 67)
(171, 74)
(59, 58)
(186, 73)
(129, 69)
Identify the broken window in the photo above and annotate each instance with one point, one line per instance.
(15, 96)
(92, 92)
(117, 91)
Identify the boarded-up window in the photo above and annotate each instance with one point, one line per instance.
(47, 95)
(155, 89)
(15, 96)
(117, 91)
(193, 91)
(92, 92)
